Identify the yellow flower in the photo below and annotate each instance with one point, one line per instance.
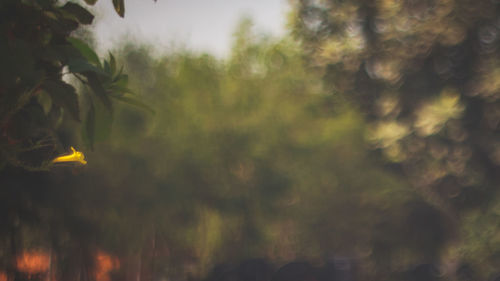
(75, 156)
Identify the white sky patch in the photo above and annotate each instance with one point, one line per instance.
(198, 25)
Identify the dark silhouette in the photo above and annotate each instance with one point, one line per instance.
(424, 272)
(223, 272)
(255, 270)
(296, 271)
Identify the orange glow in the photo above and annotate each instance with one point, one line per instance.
(33, 262)
(105, 264)
(3, 276)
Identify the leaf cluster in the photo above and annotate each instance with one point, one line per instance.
(39, 54)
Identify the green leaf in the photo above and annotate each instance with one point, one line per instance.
(64, 24)
(104, 120)
(98, 89)
(119, 7)
(112, 63)
(81, 14)
(97, 125)
(90, 2)
(117, 90)
(64, 96)
(135, 102)
(82, 66)
(50, 15)
(88, 128)
(45, 101)
(107, 69)
(85, 50)
(121, 80)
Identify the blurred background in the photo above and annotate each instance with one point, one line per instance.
(312, 140)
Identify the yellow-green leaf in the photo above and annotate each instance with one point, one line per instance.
(119, 7)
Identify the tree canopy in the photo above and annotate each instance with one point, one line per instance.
(424, 75)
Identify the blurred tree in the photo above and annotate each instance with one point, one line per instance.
(243, 159)
(425, 76)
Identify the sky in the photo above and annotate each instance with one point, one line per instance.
(198, 25)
